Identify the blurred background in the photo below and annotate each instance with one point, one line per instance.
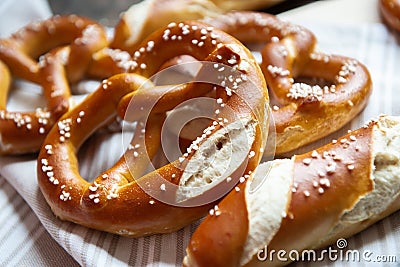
(107, 11)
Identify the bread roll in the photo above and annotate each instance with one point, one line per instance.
(306, 202)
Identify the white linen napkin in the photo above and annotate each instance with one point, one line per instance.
(372, 44)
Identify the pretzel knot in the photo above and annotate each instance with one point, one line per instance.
(123, 199)
(51, 53)
(313, 94)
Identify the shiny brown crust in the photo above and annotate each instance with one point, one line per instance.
(390, 10)
(24, 132)
(316, 205)
(39, 122)
(219, 240)
(317, 209)
(302, 112)
(289, 56)
(114, 202)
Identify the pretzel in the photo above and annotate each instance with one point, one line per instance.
(306, 202)
(108, 62)
(390, 10)
(21, 51)
(303, 112)
(115, 201)
(77, 50)
(137, 22)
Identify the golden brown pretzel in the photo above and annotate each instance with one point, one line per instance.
(114, 201)
(21, 51)
(70, 196)
(306, 202)
(303, 112)
(52, 53)
(390, 10)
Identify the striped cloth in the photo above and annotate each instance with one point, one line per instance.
(30, 235)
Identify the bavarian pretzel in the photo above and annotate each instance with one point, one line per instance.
(114, 201)
(303, 112)
(306, 202)
(390, 10)
(23, 132)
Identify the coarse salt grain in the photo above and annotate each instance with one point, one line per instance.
(307, 161)
(162, 187)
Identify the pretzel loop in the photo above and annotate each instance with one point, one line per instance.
(21, 51)
(51, 53)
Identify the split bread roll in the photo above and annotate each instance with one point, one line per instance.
(306, 202)
(143, 18)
